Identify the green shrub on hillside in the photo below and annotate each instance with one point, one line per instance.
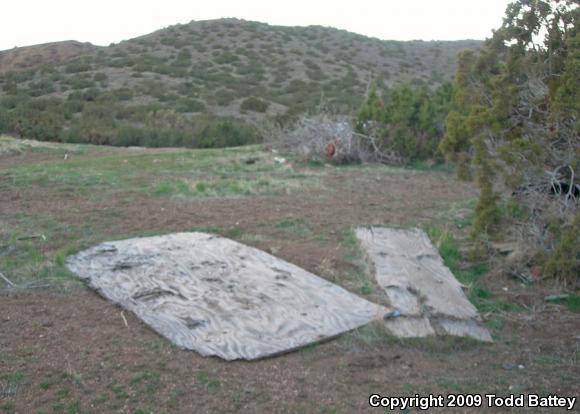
(12, 101)
(39, 119)
(77, 66)
(197, 132)
(123, 94)
(42, 87)
(73, 106)
(100, 77)
(5, 123)
(224, 97)
(225, 133)
(91, 94)
(226, 58)
(80, 81)
(189, 105)
(254, 104)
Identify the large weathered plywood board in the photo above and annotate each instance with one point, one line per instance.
(219, 297)
(416, 282)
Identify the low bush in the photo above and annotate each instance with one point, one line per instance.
(189, 105)
(407, 121)
(224, 97)
(254, 104)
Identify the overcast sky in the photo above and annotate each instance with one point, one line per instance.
(101, 22)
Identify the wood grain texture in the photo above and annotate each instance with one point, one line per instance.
(219, 297)
(418, 284)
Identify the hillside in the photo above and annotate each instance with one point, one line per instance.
(224, 67)
(33, 57)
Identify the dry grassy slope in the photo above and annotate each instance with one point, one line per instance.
(32, 57)
(222, 62)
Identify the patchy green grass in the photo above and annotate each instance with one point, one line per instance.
(358, 279)
(9, 145)
(572, 302)
(210, 383)
(376, 335)
(11, 385)
(469, 274)
(226, 187)
(33, 250)
(513, 209)
(431, 166)
(175, 174)
(295, 225)
(8, 407)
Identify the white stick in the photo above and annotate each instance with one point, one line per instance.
(6, 280)
(124, 319)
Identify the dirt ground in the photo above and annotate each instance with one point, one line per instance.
(69, 351)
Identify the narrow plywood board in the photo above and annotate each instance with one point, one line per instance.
(417, 283)
(219, 297)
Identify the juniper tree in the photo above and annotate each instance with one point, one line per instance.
(515, 116)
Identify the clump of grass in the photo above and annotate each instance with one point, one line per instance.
(200, 187)
(513, 209)
(145, 376)
(469, 274)
(211, 384)
(178, 189)
(359, 276)
(430, 166)
(226, 186)
(572, 302)
(296, 225)
(233, 233)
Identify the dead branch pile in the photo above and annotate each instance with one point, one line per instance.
(327, 138)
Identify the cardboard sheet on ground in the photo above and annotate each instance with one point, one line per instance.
(219, 297)
(418, 285)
